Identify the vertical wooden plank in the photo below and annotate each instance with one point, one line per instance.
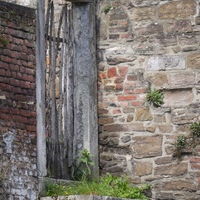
(63, 88)
(60, 106)
(40, 88)
(65, 133)
(48, 33)
(70, 93)
(53, 95)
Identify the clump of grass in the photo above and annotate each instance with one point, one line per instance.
(56, 189)
(107, 185)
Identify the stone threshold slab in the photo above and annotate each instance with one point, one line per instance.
(82, 197)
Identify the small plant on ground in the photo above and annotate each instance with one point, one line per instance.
(107, 185)
(186, 144)
(155, 97)
(83, 166)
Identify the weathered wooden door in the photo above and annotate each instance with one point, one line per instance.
(59, 92)
(66, 87)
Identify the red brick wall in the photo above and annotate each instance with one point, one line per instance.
(17, 101)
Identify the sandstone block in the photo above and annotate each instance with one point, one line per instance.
(128, 110)
(129, 118)
(115, 169)
(122, 71)
(118, 14)
(163, 160)
(125, 138)
(189, 48)
(120, 150)
(150, 30)
(166, 63)
(148, 146)
(151, 128)
(108, 120)
(135, 180)
(178, 98)
(132, 77)
(187, 40)
(185, 185)
(145, 2)
(163, 40)
(158, 79)
(165, 128)
(159, 118)
(117, 59)
(164, 196)
(113, 36)
(183, 116)
(181, 79)
(197, 20)
(143, 168)
(124, 127)
(185, 128)
(176, 49)
(107, 157)
(177, 9)
(180, 26)
(118, 29)
(193, 61)
(144, 13)
(119, 80)
(110, 142)
(109, 87)
(116, 50)
(102, 34)
(144, 49)
(143, 114)
(173, 169)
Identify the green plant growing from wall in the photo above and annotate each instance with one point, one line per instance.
(195, 129)
(155, 98)
(180, 144)
(187, 144)
(3, 40)
(181, 141)
(106, 9)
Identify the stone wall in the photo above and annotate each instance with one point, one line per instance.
(17, 103)
(27, 3)
(142, 44)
